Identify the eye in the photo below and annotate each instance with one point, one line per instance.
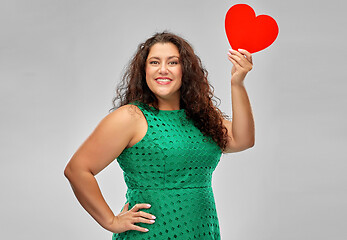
(153, 62)
(173, 63)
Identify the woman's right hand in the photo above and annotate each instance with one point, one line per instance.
(125, 220)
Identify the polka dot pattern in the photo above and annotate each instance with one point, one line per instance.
(171, 168)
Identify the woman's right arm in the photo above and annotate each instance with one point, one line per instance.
(105, 144)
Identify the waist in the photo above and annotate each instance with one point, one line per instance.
(165, 196)
(168, 188)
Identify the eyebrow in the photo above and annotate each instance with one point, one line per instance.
(168, 57)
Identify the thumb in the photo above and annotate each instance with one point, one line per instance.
(126, 207)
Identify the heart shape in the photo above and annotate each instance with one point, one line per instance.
(246, 31)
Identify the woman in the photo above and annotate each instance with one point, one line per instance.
(167, 137)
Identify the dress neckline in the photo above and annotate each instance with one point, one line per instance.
(153, 108)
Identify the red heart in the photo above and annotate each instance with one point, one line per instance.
(246, 31)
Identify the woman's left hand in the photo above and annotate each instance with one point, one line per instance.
(242, 64)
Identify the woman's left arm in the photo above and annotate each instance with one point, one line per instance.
(241, 129)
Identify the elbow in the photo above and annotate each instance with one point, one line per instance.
(251, 144)
(73, 171)
(70, 171)
(248, 144)
(67, 172)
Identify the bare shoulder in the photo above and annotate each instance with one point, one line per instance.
(124, 118)
(127, 114)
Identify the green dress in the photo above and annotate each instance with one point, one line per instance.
(171, 168)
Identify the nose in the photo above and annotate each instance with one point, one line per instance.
(163, 69)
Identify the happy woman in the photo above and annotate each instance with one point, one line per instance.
(168, 138)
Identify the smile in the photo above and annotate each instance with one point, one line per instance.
(163, 81)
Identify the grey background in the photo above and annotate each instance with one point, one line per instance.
(60, 62)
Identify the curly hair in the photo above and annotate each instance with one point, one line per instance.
(196, 93)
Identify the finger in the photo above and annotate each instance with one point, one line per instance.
(140, 205)
(234, 52)
(242, 61)
(143, 220)
(247, 54)
(126, 207)
(236, 65)
(138, 228)
(144, 214)
(235, 60)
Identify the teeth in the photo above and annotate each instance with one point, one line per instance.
(163, 80)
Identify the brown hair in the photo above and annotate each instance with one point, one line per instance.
(195, 93)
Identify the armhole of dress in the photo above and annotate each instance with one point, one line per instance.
(146, 115)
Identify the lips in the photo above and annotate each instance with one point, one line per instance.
(166, 82)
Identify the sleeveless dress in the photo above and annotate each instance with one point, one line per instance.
(171, 168)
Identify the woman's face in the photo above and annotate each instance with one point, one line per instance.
(163, 64)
